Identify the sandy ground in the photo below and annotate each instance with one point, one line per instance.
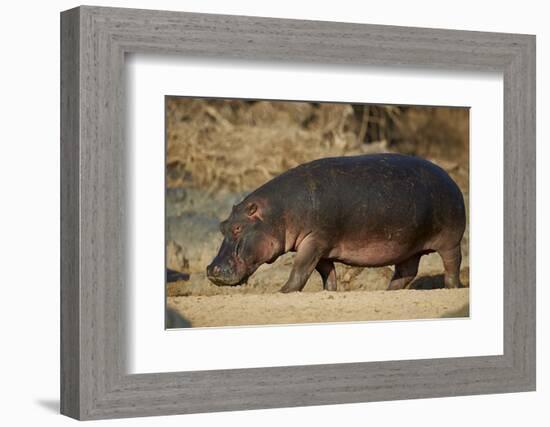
(317, 307)
(361, 296)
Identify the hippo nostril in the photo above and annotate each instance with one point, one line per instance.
(213, 270)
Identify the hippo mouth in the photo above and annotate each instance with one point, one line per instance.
(220, 279)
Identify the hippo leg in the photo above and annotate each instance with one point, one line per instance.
(328, 274)
(404, 273)
(307, 257)
(451, 261)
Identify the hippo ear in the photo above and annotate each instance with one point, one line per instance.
(251, 209)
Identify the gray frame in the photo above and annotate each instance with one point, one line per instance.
(94, 383)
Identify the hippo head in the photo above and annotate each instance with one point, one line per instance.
(248, 243)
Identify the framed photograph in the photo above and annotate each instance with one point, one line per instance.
(252, 184)
(262, 213)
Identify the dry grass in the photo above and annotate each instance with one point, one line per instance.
(236, 145)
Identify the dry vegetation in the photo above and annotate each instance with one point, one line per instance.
(219, 150)
(236, 145)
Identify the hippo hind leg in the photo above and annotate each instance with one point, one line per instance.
(451, 261)
(327, 271)
(404, 273)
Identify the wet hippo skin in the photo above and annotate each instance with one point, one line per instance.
(367, 211)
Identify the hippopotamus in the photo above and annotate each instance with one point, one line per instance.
(365, 211)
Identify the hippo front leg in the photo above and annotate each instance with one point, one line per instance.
(307, 258)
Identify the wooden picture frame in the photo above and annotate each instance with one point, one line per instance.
(94, 382)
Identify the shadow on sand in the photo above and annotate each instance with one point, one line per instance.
(174, 276)
(434, 282)
(175, 320)
(428, 282)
